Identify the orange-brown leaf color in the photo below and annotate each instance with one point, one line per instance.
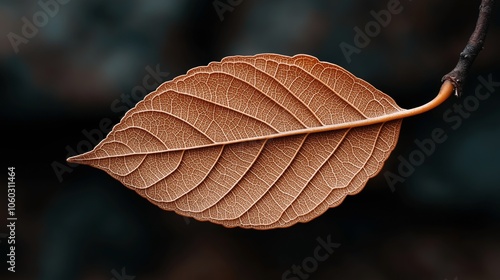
(261, 141)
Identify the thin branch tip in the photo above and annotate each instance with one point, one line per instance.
(475, 44)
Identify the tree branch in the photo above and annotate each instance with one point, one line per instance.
(475, 44)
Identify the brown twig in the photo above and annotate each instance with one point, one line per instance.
(475, 44)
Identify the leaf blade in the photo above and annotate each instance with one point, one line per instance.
(214, 134)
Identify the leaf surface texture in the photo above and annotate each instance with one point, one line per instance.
(261, 141)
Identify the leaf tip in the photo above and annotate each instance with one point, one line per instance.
(73, 159)
(79, 159)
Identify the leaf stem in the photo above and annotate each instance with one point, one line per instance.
(445, 92)
(475, 44)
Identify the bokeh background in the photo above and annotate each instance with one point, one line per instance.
(442, 222)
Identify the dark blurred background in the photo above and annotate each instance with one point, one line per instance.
(66, 66)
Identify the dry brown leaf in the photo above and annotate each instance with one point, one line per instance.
(261, 141)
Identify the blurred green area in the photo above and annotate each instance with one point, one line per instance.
(87, 59)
